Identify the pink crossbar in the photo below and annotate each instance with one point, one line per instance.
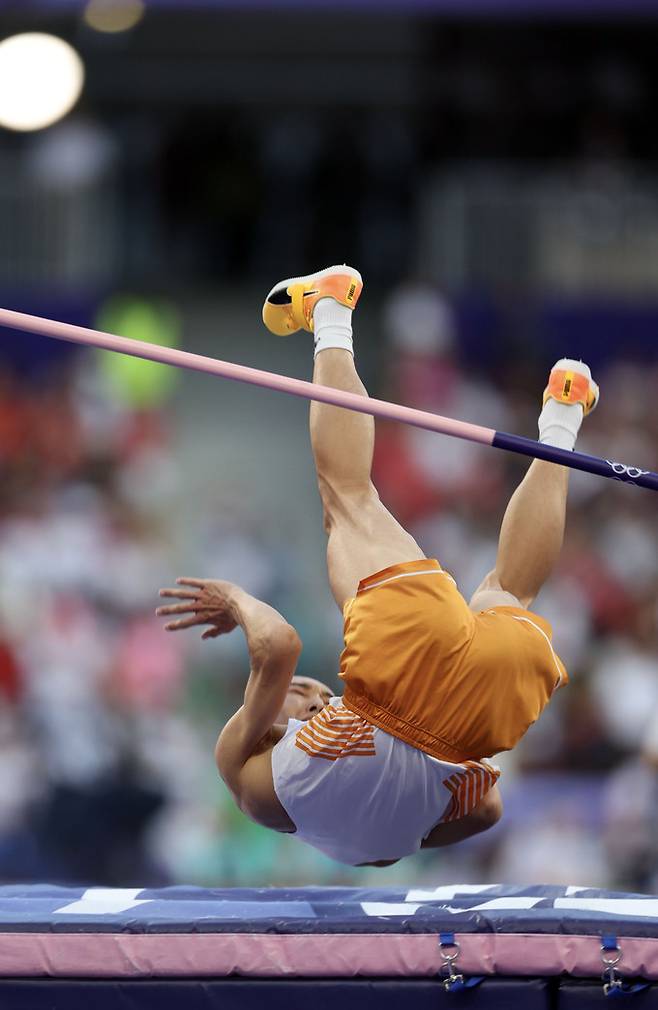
(241, 373)
(336, 397)
(126, 955)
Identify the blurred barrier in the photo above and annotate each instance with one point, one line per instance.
(592, 228)
(60, 216)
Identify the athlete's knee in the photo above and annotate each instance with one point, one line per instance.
(344, 500)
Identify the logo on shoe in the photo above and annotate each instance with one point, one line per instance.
(351, 291)
(624, 472)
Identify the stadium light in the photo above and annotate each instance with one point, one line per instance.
(113, 15)
(41, 78)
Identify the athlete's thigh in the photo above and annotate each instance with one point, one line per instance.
(364, 538)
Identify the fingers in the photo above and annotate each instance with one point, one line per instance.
(189, 603)
(180, 594)
(177, 608)
(184, 622)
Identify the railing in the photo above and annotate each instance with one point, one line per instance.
(589, 230)
(56, 233)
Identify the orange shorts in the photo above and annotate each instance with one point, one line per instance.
(422, 666)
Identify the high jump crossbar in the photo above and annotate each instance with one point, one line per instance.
(324, 394)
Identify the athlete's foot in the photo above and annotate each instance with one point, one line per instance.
(570, 395)
(291, 303)
(571, 381)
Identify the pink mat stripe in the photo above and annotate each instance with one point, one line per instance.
(124, 955)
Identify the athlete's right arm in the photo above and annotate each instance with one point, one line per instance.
(274, 648)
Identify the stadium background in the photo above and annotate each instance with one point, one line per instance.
(491, 169)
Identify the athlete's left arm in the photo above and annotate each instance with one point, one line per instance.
(487, 813)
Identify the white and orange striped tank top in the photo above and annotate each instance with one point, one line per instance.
(361, 795)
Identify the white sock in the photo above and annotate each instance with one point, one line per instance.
(332, 325)
(559, 423)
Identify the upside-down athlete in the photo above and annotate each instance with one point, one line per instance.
(433, 686)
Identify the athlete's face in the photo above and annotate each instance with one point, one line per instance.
(305, 697)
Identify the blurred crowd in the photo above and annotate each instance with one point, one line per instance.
(88, 682)
(107, 724)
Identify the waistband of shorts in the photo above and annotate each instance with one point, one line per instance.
(420, 567)
(540, 623)
(415, 736)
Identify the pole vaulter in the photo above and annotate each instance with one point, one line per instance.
(325, 394)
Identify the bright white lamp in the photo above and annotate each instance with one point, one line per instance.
(41, 78)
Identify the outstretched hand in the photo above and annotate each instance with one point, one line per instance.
(207, 601)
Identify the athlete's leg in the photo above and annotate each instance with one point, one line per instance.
(530, 538)
(532, 531)
(363, 535)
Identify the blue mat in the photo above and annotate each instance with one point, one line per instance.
(69, 948)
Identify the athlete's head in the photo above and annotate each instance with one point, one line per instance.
(305, 697)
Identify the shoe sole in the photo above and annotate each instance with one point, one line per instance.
(327, 272)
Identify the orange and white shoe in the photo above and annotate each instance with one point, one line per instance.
(571, 381)
(289, 305)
